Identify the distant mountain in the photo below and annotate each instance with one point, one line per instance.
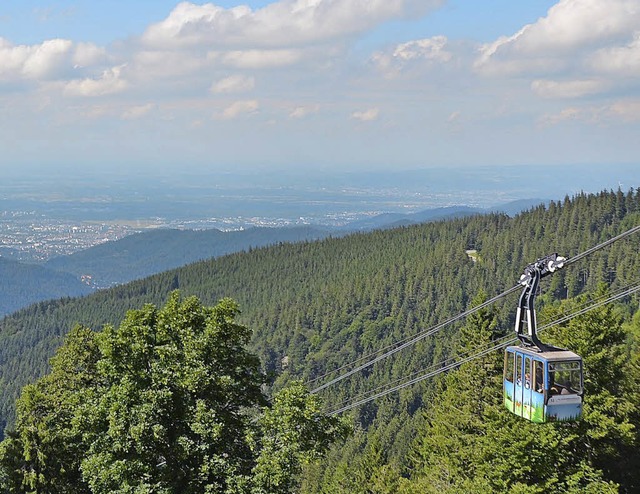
(25, 284)
(154, 251)
(515, 207)
(392, 220)
(140, 255)
(143, 254)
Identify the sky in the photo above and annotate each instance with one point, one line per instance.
(157, 85)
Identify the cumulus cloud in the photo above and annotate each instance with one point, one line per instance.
(240, 108)
(233, 84)
(110, 82)
(282, 23)
(571, 28)
(303, 111)
(41, 61)
(88, 54)
(568, 89)
(427, 51)
(366, 115)
(622, 60)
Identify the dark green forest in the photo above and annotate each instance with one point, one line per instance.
(23, 284)
(143, 254)
(315, 306)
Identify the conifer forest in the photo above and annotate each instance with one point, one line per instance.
(325, 367)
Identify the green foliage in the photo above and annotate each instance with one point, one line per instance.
(25, 284)
(167, 402)
(296, 432)
(50, 449)
(316, 306)
(172, 413)
(144, 254)
(471, 444)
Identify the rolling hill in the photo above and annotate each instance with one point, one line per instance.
(25, 284)
(143, 254)
(317, 305)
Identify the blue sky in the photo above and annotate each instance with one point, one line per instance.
(332, 84)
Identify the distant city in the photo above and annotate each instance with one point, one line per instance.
(45, 217)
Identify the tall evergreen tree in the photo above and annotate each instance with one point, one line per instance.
(472, 444)
(447, 452)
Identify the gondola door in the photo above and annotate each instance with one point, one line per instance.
(518, 387)
(526, 389)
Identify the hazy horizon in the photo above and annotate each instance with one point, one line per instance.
(308, 196)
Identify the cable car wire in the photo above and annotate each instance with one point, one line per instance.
(402, 344)
(604, 244)
(393, 347)
(420, 336)
(495, 345)
(581, 309)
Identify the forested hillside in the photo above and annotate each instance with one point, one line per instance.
(24, 284)
(316, 306)
(143, 254)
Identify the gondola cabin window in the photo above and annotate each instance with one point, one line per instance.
(509, 367)
(543, 386)
(564, 378)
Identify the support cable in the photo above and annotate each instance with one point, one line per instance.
(402, 344)
(415, 339)
(496, 345)
(604, 244)
(579, 310)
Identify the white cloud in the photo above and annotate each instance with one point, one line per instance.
(627, 110)
(88, 54)
(303, 111)
(622, 111)
(41, 61)
(109, 82)
(620, 60)
(234, 84)
(428, 49)
(366, 115)
(282, 23)
(568, 89)
(240, 108)
(136, 112)
(425, 52)
(567, 114)
(570, 29)
(259, 59)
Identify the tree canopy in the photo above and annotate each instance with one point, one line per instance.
(170, 401)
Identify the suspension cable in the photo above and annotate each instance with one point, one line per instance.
(495, 345)
(402, 344)
(590, 251)
(420, 336)
(507, 338)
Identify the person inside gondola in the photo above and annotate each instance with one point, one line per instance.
(567, 389)
(539, 383)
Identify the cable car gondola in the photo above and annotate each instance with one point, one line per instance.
(542, 383)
